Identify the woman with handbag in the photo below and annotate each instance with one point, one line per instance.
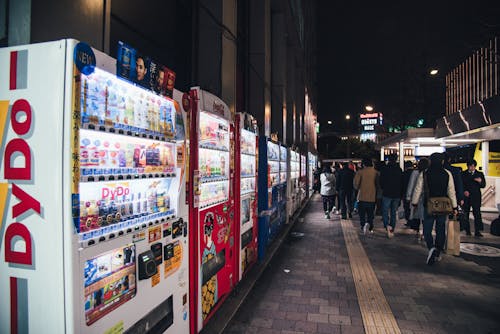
(438, 190)
(416, 213)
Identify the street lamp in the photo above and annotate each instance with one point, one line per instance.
(329, 122)
(368, 108)
(347, 117)
(434, 71)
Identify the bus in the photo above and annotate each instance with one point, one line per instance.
(459, 155)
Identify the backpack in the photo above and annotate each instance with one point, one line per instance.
(495, 227)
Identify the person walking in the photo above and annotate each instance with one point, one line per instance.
(406, 178)
(378, 203)
(365, 181)
(417, 213)
(346, 179)
(473, 182)
(391, 182)
(435, 182)
(327, 190)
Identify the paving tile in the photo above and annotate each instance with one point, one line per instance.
(293, 293)
(317, 317)
(261, 322)
(306, 326)
(326, 309)
(339, 319)
(283, 324)
(296, 316)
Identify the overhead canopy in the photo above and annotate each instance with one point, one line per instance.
(479, 122)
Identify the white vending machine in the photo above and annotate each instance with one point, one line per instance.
(94, 234)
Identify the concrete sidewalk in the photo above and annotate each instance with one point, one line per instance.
(308, 286)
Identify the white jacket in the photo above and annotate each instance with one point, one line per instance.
(327, 184)
(419, 188)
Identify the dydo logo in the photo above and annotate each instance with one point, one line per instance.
(17, 159)
(113, 190)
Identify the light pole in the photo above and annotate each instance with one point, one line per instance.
(347, 118)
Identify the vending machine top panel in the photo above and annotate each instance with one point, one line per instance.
(213, 104)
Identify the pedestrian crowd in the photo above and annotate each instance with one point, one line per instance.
(430, 192)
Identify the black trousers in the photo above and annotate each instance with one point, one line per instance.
(476, 212)
(346, 196)
(327, 203)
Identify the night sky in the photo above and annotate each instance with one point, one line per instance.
(380, 52)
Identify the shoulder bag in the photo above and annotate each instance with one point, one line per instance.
(437, 205)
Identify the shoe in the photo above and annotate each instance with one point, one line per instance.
(336, 212)
(371, 228)
(328, 215)
(365, 228)
(350, 214)
(478, 235)
(389, 233)
(431, 258)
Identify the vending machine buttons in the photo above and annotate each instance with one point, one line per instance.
(157, 252)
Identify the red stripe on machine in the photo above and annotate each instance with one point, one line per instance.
(13, 305)
(13, 70)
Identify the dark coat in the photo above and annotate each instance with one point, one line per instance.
(456, 172)
(346, 179)
(391, 181)
(473, 187)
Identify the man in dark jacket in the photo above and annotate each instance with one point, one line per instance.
(391, 182)
(346, 179)
(406, 178)
(473, 182)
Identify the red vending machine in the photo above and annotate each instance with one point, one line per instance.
(245, 186)
(211, 204)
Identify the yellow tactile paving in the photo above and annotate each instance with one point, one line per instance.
(376, 312)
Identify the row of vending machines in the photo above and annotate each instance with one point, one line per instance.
(125, 211)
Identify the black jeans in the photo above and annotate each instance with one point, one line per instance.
(366, 212)
(476, 212)
(345, 196)
(407, 208)
(327, 203)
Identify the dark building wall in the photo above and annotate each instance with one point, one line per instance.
(278, 75)
(79, 19)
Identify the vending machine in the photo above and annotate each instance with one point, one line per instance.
(293, 183)
(270, 190)
(312, 165)
(212, 204)
(92, 197)
(303, 177)
(245, 185)
(283, 185)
